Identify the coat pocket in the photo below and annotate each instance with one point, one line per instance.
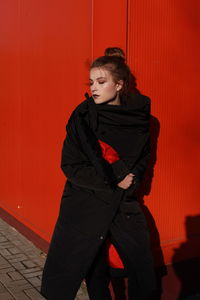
(133, 214)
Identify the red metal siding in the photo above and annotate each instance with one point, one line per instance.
(163, 51)
(109, 25)
(44, 49)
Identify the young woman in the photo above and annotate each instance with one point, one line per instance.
(104, 157)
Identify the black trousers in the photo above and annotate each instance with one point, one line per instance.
(128, 233)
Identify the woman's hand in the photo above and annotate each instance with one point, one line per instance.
(127, 181)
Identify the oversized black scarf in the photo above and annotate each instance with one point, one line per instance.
(131, 121)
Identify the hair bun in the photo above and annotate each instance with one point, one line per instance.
(115, 51)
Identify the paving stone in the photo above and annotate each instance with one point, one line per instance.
(2, 259)
(21, 265)
(18, 266)
(3, 239)
(6, 270)
(40, 260)
(15, 275)
(4, 252)
(82, 293)
(14, 250)
(27, 249)
(33, 254)
(5, 245)
(6, 296)
(18, 255)
(5, 279)
(29, 263)
(2, 288)
(33, 294)
(31, 270)
(33, 274)
(35, 281)
(19, 295)
(19, 284)
(16, 258)
(5, 265)
(17, 242)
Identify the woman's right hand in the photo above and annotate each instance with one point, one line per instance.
(127, 181)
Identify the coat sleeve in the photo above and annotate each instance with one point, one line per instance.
(76, 166)
(121, 170)
(141, 165)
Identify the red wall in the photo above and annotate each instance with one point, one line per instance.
(163, 51)
(45, 50)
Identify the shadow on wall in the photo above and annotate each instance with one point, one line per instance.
(188, 270)
(145, 190)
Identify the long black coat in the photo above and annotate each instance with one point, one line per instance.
(91, 197)
(126, 129)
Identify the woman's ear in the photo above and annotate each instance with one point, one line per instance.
(119, 85)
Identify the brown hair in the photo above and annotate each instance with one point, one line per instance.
(115, 51)
(114, 62)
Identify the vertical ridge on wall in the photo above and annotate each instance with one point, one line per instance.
(110, 25)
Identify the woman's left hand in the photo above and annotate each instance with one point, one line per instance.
(127, 181)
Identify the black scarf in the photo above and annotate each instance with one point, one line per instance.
(131, 118)
(134, 113)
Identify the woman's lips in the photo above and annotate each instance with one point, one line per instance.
(95, 96)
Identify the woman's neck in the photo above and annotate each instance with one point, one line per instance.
(115, 100)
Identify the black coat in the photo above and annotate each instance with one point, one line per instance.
(126, 129)
(91, 197)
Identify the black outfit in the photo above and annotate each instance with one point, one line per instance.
(93, 206)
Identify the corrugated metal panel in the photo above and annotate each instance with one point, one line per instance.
(109, 25)
(163, 51)
(44, 49)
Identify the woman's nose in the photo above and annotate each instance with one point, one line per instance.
(93, 88)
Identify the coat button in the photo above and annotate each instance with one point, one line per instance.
(101, 237)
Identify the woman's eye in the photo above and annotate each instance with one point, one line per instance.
(90, 83)
(101, 82)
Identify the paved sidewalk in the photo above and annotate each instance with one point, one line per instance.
(21, 266)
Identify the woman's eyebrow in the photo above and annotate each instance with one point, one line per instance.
(98, 78)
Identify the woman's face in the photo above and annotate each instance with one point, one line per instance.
(103, 88)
